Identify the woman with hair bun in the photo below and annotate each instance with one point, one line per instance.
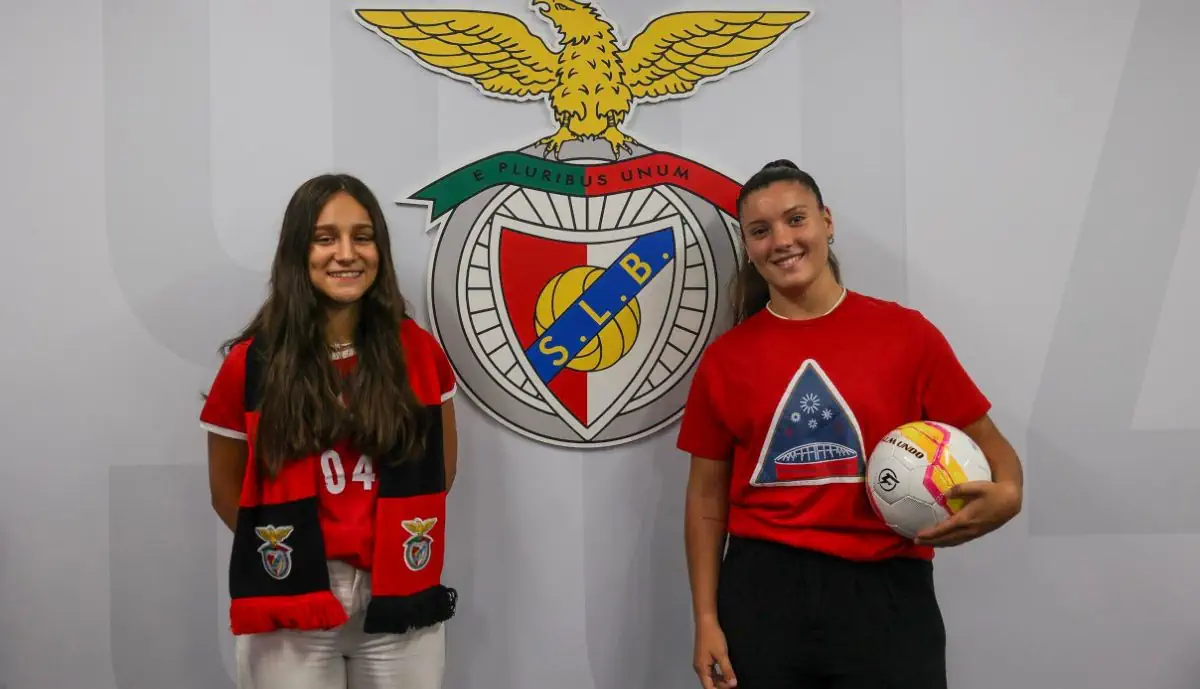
(795, 581)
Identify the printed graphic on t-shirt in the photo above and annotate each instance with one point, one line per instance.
(814, 438)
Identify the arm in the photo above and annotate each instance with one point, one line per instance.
(226, 470)
(1003, 459)
(989, 504)
(705, 516)
(950, 395)
(224, 417)
(449, 442)
(704, 433)
(706, 513)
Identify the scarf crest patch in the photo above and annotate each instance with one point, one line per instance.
(276, 556)
(419, 546)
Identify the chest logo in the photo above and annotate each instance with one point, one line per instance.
(814, 437)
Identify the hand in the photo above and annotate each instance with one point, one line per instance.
(989, 505)
(711, 650)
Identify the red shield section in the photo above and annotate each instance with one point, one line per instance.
(527, 263)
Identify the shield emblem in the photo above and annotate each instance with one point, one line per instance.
(586, 311)
(417, 551)
(511, 267)
(277, 561)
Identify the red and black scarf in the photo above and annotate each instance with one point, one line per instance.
(278, 576)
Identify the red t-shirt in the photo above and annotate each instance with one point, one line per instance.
(798, 405)
(346, 478)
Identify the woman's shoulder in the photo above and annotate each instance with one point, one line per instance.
(411, 330)
(415, 337)
(902, 322)
(235, 351)
(878, 307)
(426, 359)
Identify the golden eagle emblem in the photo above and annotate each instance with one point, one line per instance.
(591, 83)
(273, 536)
(419, 527)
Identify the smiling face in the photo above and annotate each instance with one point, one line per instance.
(343, 258)
(787, 234)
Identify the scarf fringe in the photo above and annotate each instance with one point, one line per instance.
(402, 614)
(309, 611)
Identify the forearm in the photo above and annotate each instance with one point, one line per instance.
(226, 509)
(1001, 456)
(226, 470)
(704, 538)
(1006, 467)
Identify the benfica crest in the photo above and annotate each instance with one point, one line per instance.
(276, 555)
(419, 546)
(575, 282)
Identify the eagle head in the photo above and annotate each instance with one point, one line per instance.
(565, 13)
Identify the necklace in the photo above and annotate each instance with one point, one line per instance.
(831, 308)
(341, 350)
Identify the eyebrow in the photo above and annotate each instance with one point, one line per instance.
(799, 208)
(359, 226)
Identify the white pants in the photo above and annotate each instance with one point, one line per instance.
(346, 657)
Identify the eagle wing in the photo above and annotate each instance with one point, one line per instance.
(495, 51)
(675, 52)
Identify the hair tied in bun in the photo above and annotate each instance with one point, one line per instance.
(782, 162)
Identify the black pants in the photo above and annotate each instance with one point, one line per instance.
(797, 619)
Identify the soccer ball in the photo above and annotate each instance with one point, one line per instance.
(910, 470)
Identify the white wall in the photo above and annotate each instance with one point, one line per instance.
(1025, 172)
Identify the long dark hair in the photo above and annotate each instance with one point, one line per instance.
(750, 294)
(301, 409)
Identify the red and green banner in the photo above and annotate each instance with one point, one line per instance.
(535, 172)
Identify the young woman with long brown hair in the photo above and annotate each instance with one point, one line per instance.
(796, 582)
(331, 446)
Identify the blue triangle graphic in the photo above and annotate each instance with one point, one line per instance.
(814, 438)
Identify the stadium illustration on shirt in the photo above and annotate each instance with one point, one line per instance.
(814, 437)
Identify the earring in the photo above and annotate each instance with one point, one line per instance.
(830, 240)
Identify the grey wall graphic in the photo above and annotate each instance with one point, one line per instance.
(1095, 474)
(1025, 173)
